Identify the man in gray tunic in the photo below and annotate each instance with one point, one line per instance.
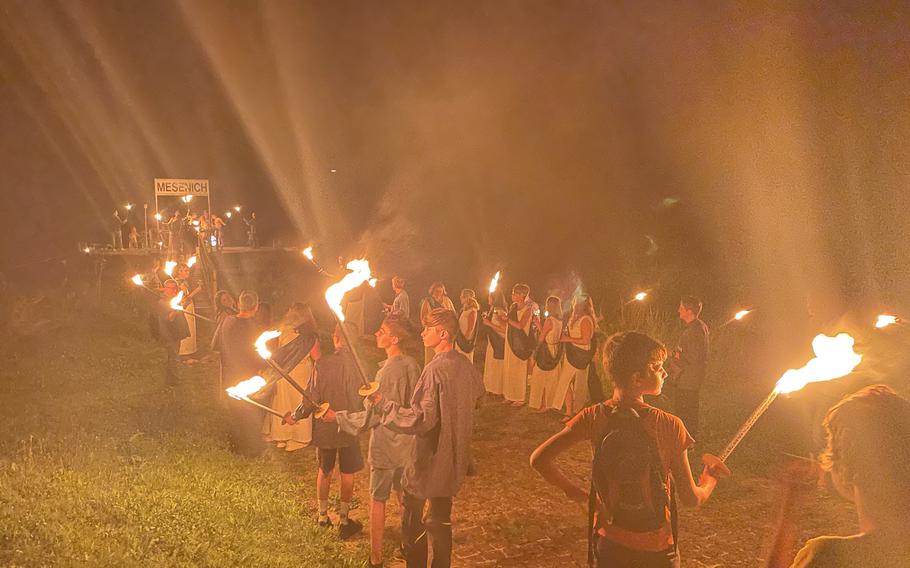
(441, 416)
(389, 450)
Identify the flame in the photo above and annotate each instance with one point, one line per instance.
(265, 337)
(360, 273)
(741, 314)
(243, 389)
(157, 216)
(546, 313)
(237, 208)
(885, 320)
(372, 282)
(191, 261)
(227, 214)
(137, 280)
(86, 250)
(834, 358)
(175, 302)
(195, 222)
(308, 252)
(169, 267)
(495, 282)
(128, 206)
(640, 296)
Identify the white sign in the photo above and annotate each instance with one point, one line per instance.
(181, 187)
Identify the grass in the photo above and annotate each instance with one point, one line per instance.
(102, 465)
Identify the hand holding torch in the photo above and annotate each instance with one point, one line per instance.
(834, 358)
(243, 389)
(318, 409)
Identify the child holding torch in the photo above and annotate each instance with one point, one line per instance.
(640, 454)
(336, 381)
(389, 450)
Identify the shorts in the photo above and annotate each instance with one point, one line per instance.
(349, 459)
(382, 481)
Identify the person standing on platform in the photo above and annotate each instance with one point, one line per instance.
(689, 363)
(441, 416)
(117, 224)
(252, 233)
(172, 329)
(436, 299)
(519, 346)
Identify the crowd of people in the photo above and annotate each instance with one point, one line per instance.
(180, 231)
(420, 419)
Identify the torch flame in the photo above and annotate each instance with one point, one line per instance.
(191, 261)
(308, 252)
(243, 389)
(265, 337)
(641, 296)
(157, 216)
(169, 267)
(86, 250)
(885, 320)
(227, 214)
(495, 282)
(834, 358)
(237, 208)
(360, 273)
(372, 282)
(175, 302)
(137, 280)
(741, 314)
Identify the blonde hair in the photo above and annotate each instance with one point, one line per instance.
(469, 300)
(556, 303)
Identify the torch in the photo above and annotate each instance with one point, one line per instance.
(834, 358)
(137, 280)
(494, 283)
(176, 305)
(191, 261)
(738, 316)
(360, 273)
(169, 266)
(308, 252)
(243, 389)
(885, 320)
(263, 350)
(638, 297)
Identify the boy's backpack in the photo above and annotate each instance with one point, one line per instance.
(627, 477)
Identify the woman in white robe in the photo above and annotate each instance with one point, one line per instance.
(572, 389)
(515, 362)
(548, 364)
(298, 324)
(467, 324)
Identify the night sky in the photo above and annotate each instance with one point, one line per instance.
(748, 152)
